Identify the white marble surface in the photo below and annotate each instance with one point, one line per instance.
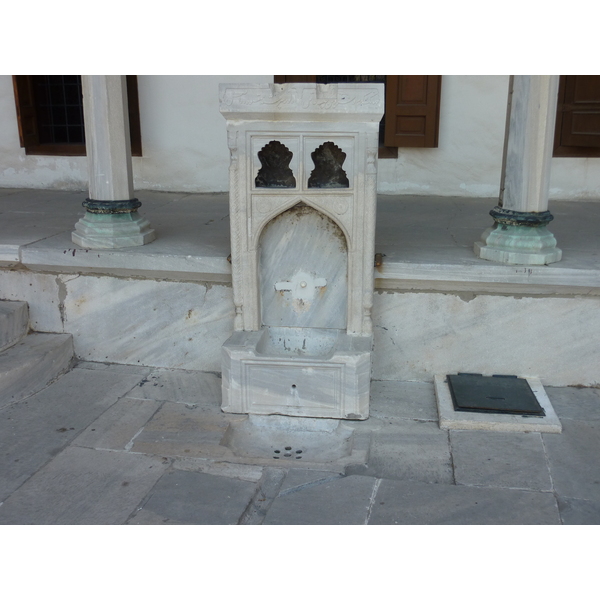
(427, 241)
(302, 116)
(41, 291)
(108, 143)
(192, 244)
(428, 246)
(302, 102)
(307, 266)
(303, 271)
(148, 322)
(332, 386)
(529, 142)
(14, 323)
(418, 335)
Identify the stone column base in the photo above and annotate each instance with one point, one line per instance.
(518, 245)
(112, 230)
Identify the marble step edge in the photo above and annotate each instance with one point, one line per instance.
(14, 322)
(33, 363)
(486, 277)
(391, 275)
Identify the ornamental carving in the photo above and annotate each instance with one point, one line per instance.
(275, 172)
(328, 172)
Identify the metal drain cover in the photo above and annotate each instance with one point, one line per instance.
(505, 394)
(287, 452)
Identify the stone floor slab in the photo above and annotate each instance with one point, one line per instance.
(184, 430)
(500, 459)
(37, 428)
(344, 501)
(579, 512)
(267, 490)
(581, 404)
(413, 450)
(573, 458)
(187, 498)
(82, 486)
(119, 425)
(189, 387)
(410, 503)
(403, 400)
(220, 468)
(301, 478)
(31, 364)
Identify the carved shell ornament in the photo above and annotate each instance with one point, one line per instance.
(275, 171)
(328, 172)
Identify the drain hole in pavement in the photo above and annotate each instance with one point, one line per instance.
(287, 453)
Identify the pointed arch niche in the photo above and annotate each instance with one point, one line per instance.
(303, 270)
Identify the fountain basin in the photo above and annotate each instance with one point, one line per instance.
(305, 373)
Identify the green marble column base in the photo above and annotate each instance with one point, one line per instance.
(117, 230)
(518, 245)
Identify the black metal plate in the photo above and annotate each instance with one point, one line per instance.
(504, 394)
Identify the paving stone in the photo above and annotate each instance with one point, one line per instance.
(215, 467)
(500, 459)
(34, 430)
(579, 512)
(403, 400)
(411, 503)
(117, 427)
(581, 404)
(82, 486)
(344, 501)
(187, 498)
(190, 387)
(299, 478)
(413, 450)
(573, 458)
(268, 487)
(125, 369)
(31, 364)
(183, 430)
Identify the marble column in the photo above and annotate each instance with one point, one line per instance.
(111, 219)
(519, 235)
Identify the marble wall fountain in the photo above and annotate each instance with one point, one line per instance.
(302, 206)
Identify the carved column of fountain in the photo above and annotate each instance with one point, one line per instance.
(302, 204)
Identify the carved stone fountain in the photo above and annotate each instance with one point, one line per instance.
(302, 205)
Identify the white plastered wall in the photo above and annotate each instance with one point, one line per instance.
(185, 144)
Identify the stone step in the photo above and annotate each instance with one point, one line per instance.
(31, 364)
(14, 323)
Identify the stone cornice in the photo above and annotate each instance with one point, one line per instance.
(302, 101)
